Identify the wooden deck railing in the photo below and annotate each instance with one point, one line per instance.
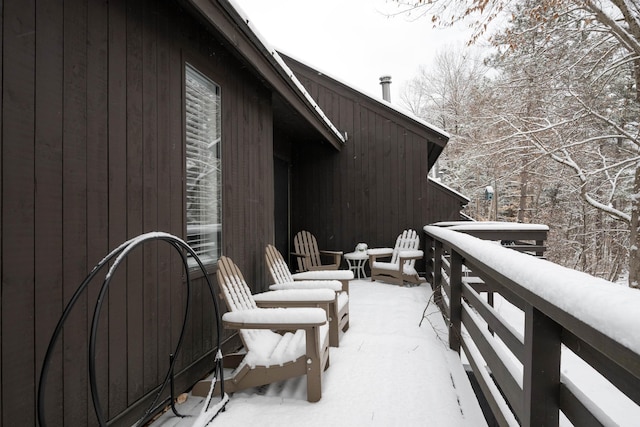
(519, 371)
(527, 238)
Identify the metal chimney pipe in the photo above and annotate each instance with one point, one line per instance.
(385, 82)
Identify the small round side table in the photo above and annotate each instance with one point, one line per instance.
(356, 261)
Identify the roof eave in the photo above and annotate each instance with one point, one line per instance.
(280, 78)
(436, 137)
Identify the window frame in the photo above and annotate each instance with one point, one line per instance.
(198, 72)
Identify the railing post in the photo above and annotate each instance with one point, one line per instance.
(540, 253)
(455, 302)
(429, 256)
(437, 265)
(436, 284)
(541, 380)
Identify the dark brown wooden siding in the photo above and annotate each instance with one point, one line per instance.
(445, 203)
(377, 185)
(92, 154)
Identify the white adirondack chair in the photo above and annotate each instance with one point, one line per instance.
(401, 267)
(271, 356)
(284, 280)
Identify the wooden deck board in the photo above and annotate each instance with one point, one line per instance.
(376, 374)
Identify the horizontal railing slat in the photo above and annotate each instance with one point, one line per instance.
(625, 381)
(575, 410)
(513, 342)
(499, 407)
(546, 326)
(507, 383)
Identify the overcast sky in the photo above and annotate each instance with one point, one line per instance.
(355, 41)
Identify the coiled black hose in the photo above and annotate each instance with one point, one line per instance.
(118, 255)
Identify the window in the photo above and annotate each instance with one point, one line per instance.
(203, 176)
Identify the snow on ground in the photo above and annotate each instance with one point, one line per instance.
(388, 371)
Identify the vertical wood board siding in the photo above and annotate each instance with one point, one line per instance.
(377, 185)
(92, 154)
(18, 211)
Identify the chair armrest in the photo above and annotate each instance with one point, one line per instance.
(376, 253)
(334, 285)
(331, 253)
(380, 251)
(299, 255)
(324, 275)
(295, 295)
(275, 318)
(336, 255)
(413, 254)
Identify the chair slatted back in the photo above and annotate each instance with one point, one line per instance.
(235, 290)
(305, 243)
(407, 241)
(237, 295)
(277, 266)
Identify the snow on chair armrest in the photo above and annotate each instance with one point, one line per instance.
(325, 252)
(333, 285)
(297, 295)
(411, 254)
(274, 318)
(380, 251)
(324, 275)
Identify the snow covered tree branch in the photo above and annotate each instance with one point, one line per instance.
(565, 86)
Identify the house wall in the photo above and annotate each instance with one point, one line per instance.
(376, 186)
(92, 154)
(444, 203)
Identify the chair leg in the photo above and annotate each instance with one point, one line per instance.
(345, 285)
(314, 370)
(314, 380)
(334, 329)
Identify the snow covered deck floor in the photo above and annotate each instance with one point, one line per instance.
(387, 371)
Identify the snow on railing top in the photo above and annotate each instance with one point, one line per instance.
(491, 225)
(605, 306)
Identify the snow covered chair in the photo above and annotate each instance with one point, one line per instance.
(310, 257)
(283, 280)
(271, 356)
(400, 268)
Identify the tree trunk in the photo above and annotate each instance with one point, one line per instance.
(634, 237)
(522, 210)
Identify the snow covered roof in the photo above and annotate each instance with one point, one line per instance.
(240, 19)
(284, 69)
(380, 101)
(253, 41)
(449, 189)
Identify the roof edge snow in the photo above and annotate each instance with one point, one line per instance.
(251, 46)
(380, 101)
(278, 62)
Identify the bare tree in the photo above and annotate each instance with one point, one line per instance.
(576, 66)
(443, 93)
